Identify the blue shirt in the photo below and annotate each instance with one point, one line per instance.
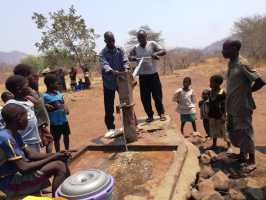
(11, 148)
(112, 59)
(30, 134)
(58, 114)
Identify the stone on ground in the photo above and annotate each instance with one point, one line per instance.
(206, 172)
(236, 195)
(212, 154)
(206, 187)
(253, 190)
(220, 181)
(205, 159)
(213, 196)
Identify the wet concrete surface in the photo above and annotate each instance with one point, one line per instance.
(135, 173)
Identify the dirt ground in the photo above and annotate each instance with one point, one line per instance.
(87, 111)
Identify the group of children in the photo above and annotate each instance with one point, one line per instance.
(212, 108)
(24, 122)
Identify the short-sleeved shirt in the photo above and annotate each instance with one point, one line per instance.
(186, 101)
(240, 76)
(11, 148)
(58, 114)
(217, 104)
(30, 134)
(149, 66)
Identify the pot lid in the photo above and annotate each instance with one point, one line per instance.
(84, 183)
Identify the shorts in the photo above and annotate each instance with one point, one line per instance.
(58, 130)
(188, 117)
(24, 184)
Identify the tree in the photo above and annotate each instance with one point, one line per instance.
(151, 35)
(37, 62)
(252, 32)
(58, 57)
(66, 32)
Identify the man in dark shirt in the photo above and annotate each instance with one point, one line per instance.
(113, 60)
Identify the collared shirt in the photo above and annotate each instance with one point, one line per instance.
(112, 59)
(240, 77)
(11, 148)
(30, 134)
(186, 101)
(58, 114)
(149, 65)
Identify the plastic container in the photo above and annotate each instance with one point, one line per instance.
(87, 185)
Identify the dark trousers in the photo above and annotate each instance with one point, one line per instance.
(150, 85)
(109, 97)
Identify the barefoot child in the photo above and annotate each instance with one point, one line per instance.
(217, 111)
(57, 111)
(22, 170)
(186, 104)
(204, 109)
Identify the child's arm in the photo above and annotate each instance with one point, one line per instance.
(193, 98)
(176, 97)
(66, 109)
(259, 83)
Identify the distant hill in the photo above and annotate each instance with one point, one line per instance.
(11, 58)
(216, 47)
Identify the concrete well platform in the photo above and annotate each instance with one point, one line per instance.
(160, 165)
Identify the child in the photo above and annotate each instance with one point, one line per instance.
(57, 111)
(18, 85)
(186, 100)
(22, 170)
(217, 110)
(39, 107)
(204, 109)
(5, 96)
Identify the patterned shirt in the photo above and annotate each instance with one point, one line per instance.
(11, 148)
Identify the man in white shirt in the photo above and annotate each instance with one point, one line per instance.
(148, 74)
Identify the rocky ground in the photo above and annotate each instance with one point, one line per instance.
(221, 176)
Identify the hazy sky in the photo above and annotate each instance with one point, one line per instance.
(186, 23)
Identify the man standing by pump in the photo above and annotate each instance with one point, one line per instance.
(113, 60)
(148, 74)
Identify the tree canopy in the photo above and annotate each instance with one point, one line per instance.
(66, 34)
(37, 62)
(252, 32)
(151, 35)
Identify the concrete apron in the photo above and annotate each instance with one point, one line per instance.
(161, 165)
